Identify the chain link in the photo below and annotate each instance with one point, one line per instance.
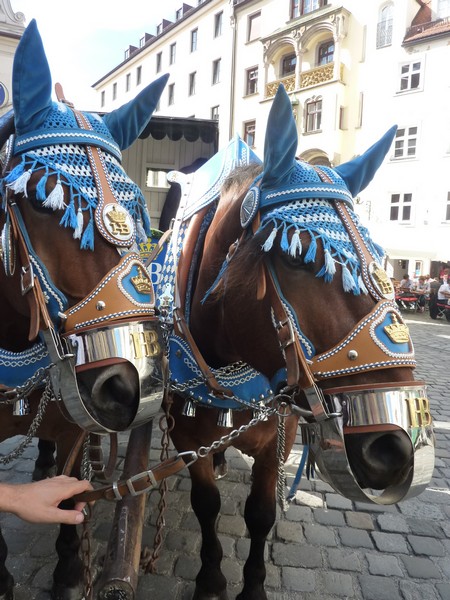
(86, 554)
(281, 472)
(148, 560)
(47, 395)
(262, 415)
(21, 392)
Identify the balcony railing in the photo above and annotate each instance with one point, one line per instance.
(430, 28)
(322, 74)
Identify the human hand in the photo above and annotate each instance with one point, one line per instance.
(38, 502)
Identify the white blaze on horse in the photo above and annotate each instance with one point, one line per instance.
(278, 309)
(77, 304)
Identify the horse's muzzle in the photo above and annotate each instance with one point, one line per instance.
(382, 440)
(130, 393)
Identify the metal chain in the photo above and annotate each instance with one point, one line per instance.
(21, 392)
(148, 562)
(86, 470)
(86, 554)
(47, 395)
(281, 473)
(262, 415)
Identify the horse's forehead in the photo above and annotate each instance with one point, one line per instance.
(319, 219)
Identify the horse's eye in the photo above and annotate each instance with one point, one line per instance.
(294, 262)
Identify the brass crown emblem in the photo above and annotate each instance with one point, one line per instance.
(117, 216)
(397, 332)
(382, 281)
(141, 282)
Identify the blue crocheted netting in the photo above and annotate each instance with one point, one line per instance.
(69, 162)
(319, 219)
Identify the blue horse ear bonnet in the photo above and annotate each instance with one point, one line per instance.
(48, 140)
(293, 198)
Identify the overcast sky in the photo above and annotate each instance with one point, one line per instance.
(85, 39)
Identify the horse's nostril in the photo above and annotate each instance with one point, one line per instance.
(379, 459)
(115, 387)
(111, 394)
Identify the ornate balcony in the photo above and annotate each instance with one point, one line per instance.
(316, 76)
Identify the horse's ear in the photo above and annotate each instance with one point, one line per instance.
(280, 145)
(127, 122)
(31, 82)
(359, 172)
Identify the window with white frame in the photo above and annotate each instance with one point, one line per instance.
(313, 114)
(171, 94)
(102, 99)
(216, 71)
(218, 22)
(138, 75)
(114, 91)
(215, 113)
(411, 76)
(128, 82)
(249, 133)
(158, 62)
(251, 86)
(194, 38)
(172, 53)
(405, 145)
(192, 82)
(254, 27)
(401, 207)
(447, 208)
(384, 26)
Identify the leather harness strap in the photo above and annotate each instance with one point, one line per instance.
(31, 288)
(136, 485)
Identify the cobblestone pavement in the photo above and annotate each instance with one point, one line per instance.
(324, 548)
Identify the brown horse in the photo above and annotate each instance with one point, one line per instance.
(285, 286)
(77, 333)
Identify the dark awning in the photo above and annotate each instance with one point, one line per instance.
(176, 127)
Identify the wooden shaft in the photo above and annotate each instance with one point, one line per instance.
(121, 568)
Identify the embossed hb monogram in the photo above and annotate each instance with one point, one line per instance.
(145, 343)
(419, 412)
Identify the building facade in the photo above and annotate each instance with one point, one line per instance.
(11, 28)
(352, 69)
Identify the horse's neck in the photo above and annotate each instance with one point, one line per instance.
(14, 326)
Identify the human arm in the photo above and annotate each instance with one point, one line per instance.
(37, 502)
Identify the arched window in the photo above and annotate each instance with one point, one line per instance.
(384, 27)
(287, 64)
(325, 53)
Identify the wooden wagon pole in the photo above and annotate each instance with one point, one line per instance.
(121, 567)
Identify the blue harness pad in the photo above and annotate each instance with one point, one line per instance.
(203, 187)
(247, 384)
(17, 367)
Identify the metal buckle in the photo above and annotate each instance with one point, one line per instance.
(153, 483)
(26, 287)
(291, 339)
